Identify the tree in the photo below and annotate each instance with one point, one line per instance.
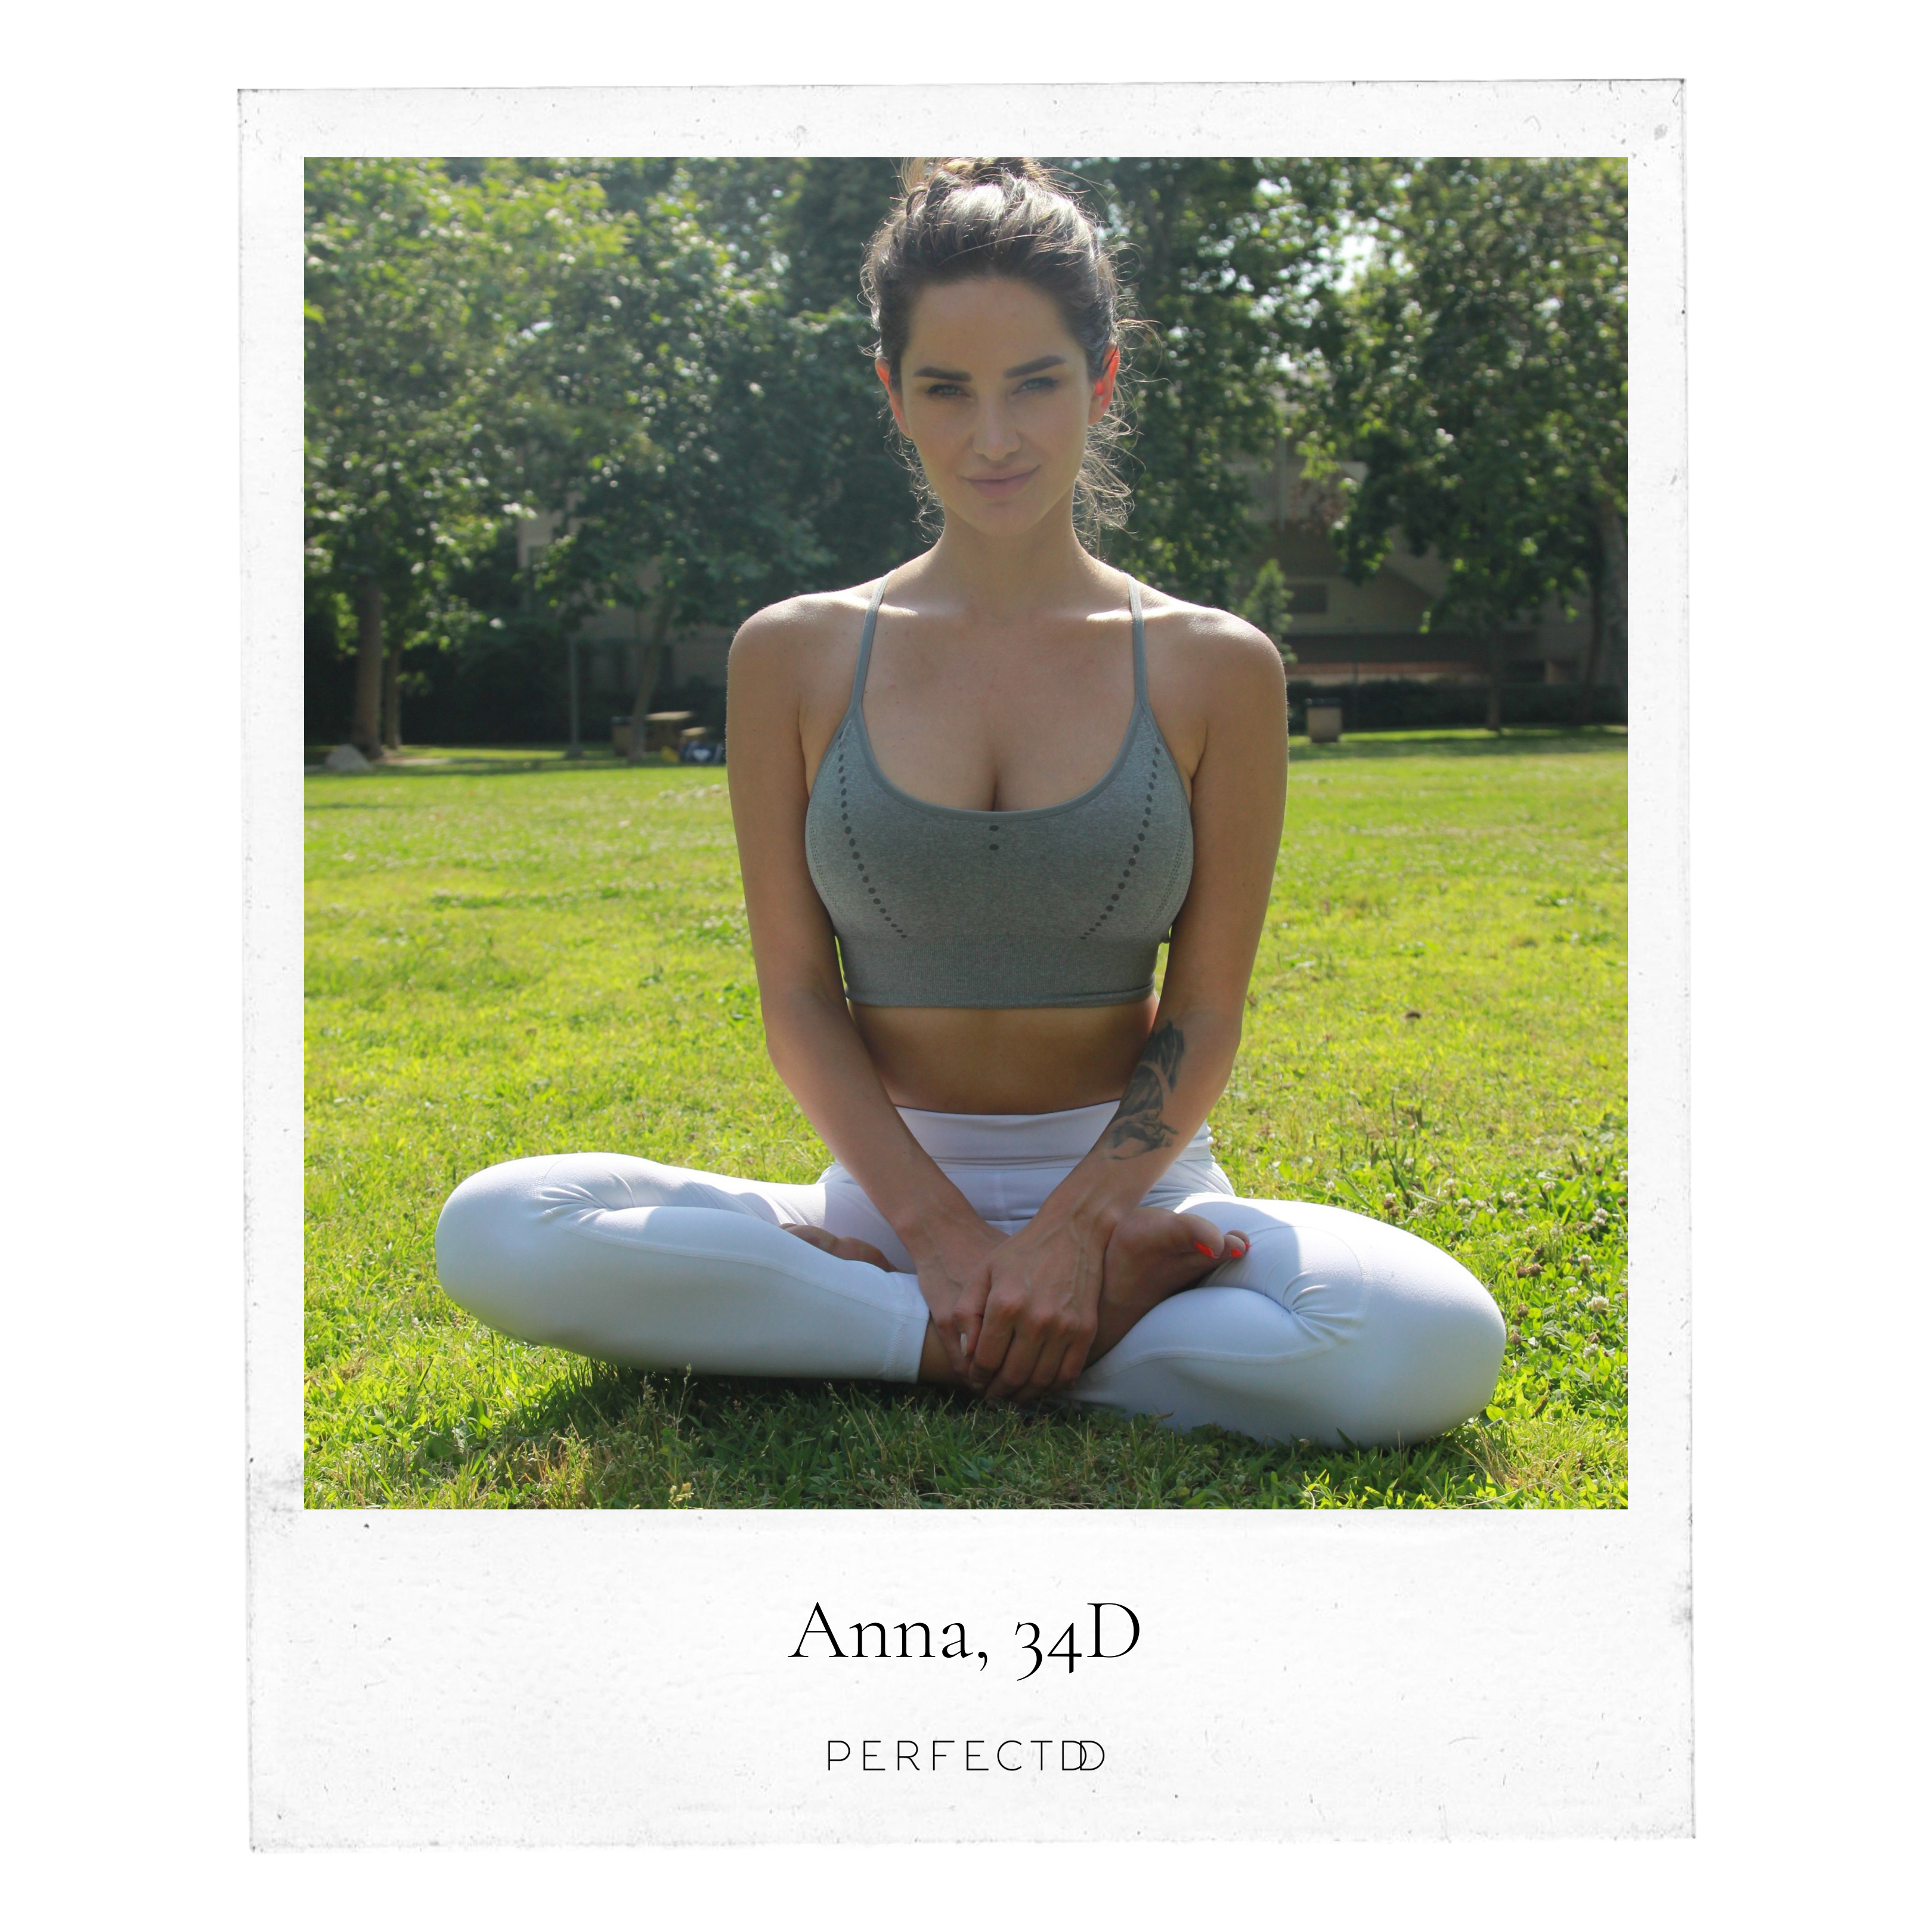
(864, 515)
(387, 473)
(1266, 607)
(1214, 251)
(767, 472)
(705, 518)
(1477, 370)
(437, 384)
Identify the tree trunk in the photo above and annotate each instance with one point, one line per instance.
(392, 698)
(576, 720)
(1495, 718)
(366, 733)
(1616, 581)
(1596, 650)
(647, 677)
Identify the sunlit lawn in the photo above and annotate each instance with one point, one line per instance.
(514, 954)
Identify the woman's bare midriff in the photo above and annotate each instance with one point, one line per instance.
(1008, 1060)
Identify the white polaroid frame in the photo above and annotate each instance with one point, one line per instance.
(619, 1678)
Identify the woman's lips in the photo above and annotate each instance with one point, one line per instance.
(1001, 486)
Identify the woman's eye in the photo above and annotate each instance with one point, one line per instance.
(1041, 383)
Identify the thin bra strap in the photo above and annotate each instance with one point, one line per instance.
(879, 597)
(865, 647)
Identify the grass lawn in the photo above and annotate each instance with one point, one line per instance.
(509, 954)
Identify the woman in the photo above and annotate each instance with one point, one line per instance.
(994, 782)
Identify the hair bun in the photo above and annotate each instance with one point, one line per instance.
(971, 171)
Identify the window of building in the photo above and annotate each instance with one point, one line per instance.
(1308, 600)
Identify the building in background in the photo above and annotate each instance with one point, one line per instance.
(1348, 633)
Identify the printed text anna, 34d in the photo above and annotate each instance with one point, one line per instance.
(913, 1640)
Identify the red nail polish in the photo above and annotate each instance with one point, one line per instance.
(1203, 1247)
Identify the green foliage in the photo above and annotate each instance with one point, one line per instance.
(864, 511)
(826, 219)
(1478, 369)
(510, 957)
(778, 476)
(460, 355)
(767, 472)
(1211, 250)
(1266, 606)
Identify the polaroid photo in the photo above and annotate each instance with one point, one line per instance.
(459, 1635)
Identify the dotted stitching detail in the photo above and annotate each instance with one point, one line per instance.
(1134, 856)
(858, 858)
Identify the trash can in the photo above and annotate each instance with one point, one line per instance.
(1324, 721)
(620, 736)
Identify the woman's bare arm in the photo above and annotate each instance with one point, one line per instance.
(809, 1030)
(1044, 1286)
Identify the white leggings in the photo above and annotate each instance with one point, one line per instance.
(1331, 1326)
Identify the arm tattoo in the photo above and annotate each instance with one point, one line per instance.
(1138, 1127)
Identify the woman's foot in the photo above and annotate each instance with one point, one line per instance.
(844, 1246)
(934, 1364)
(1155, 1252)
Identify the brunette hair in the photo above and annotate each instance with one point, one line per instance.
(962, 219)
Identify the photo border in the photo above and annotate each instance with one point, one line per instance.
(617, 1677)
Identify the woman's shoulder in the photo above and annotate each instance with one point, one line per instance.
(803, 650)
(803, 639)
(1197, 641)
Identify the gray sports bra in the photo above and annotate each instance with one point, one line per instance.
(938, 906)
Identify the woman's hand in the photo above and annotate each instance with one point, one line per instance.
(1041, 1296)
(1044, 1300)
(952, 1264)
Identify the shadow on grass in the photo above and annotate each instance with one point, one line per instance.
(1524, 741)
(632, 1439)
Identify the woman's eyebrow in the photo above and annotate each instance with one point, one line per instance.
(1038, 363)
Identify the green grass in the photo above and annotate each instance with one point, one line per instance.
(509, 954)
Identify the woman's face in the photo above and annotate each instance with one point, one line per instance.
(997, 397)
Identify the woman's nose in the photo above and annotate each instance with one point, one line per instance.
(995, 437)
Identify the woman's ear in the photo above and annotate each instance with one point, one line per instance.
(884, 369)
(1103, 384)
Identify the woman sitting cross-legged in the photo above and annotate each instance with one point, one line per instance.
(988, 787)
